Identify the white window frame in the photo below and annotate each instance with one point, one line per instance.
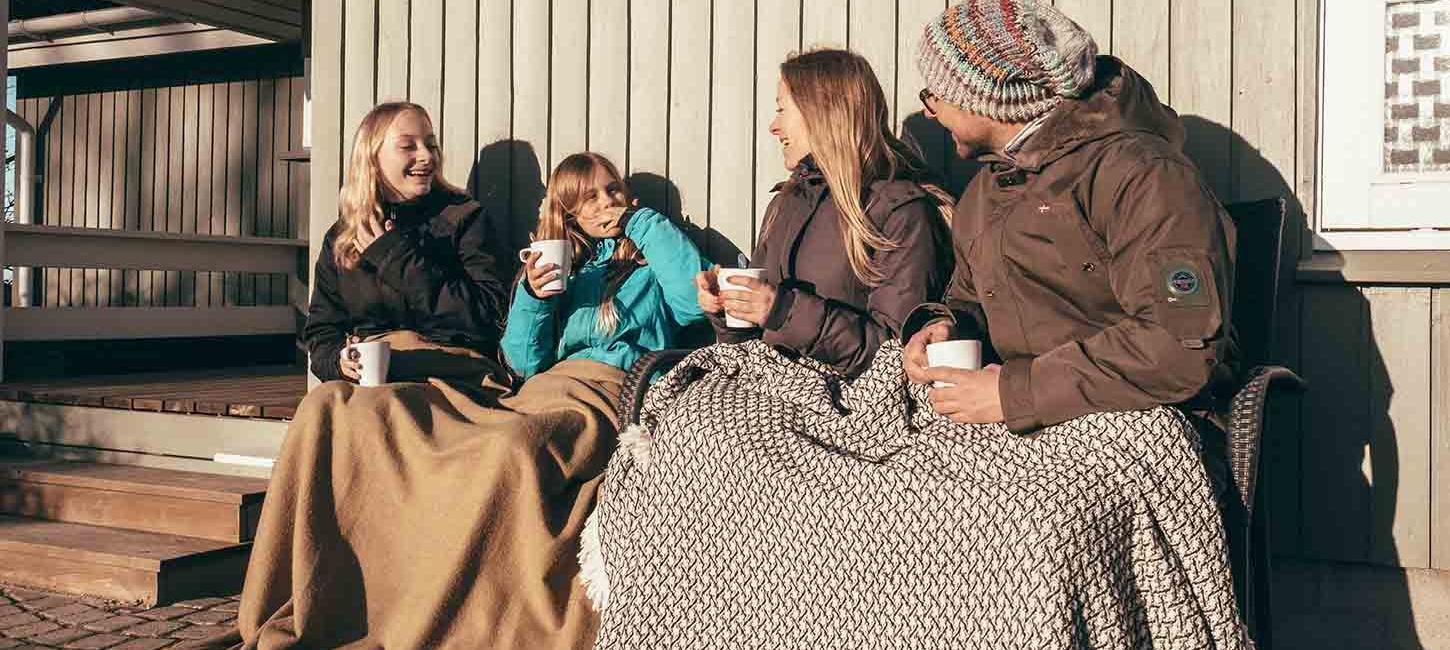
(1360, 206)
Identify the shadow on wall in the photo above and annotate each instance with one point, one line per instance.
(1322, 505)
(508, 180)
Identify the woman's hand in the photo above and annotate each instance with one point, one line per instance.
(351, 367)
(914, 356)
(370, 230)
(752, 305)
(539, 275)
(707, 291)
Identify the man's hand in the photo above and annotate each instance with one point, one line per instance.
(973, 396)
(914, 358)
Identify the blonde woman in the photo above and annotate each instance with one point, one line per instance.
(409, 252)
(855, 238)
(442, 509)
(631, 286)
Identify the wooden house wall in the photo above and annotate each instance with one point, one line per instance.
(680, 93)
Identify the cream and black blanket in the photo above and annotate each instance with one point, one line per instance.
(767, 502)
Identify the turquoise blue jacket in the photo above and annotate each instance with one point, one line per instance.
(653, 304)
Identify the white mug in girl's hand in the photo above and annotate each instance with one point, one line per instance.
(726, 279)
(374, 357)
(552, 251)
(964, 354)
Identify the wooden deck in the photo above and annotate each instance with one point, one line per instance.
(270, 392)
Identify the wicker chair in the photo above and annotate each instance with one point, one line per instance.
(1263, 265)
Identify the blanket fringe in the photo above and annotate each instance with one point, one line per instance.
(638, 442)
(591, 564)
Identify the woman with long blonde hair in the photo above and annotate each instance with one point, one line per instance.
(860, 205)
(409, 251)
(629, 290)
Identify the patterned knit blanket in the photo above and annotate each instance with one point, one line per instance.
(767, 502)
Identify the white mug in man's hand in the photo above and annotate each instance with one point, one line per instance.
(726, 279)
(964, 354)
(552, 251)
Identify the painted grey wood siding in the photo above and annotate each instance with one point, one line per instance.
(680, 93)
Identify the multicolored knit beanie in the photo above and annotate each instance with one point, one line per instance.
(1010, 60)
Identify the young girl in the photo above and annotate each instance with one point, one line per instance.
(631, 287)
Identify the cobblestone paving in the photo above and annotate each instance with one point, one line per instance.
(33, 619)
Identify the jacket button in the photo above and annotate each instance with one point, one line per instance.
(1089, 267)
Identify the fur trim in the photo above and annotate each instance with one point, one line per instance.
(591, 564)
(637, 441)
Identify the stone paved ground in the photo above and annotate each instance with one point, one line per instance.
(34, 619)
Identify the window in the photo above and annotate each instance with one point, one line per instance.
(1385, 125)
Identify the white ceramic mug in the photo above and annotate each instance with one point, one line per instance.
(552, 251)
(374, 357)
(965, 354)
(724, 277)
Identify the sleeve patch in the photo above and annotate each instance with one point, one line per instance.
(1181, 285)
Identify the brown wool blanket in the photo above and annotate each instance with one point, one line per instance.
(768, 502)
(438, 514)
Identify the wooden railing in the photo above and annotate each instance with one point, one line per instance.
(94, 248)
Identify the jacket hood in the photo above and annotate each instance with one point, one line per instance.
(1120, 101)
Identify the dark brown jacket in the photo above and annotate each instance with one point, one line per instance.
(434, 273)
(821, 309)
(1096, 262)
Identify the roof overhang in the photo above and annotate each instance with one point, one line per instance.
(278, 21)
(152, 27)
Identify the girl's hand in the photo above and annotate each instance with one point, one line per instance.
(539, 275)
(370, 230)
(609, 222)
(351, 368)
(753, 305)
(707, 291)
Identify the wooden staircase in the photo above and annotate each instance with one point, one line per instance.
(125, 533)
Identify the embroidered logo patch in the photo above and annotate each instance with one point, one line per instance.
(1182, 281)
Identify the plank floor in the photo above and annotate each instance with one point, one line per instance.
(271, 392)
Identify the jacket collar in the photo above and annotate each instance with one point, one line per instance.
(422, 209)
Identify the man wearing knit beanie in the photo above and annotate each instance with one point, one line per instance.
(1091, 259)
(1090, 254)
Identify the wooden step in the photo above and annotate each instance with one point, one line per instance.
(170, 502)
(123, 565)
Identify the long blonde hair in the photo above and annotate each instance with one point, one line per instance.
(562, 199)
(363, 194)
(849, 124)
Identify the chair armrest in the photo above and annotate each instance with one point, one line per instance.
(636, 381)
(1246, 423)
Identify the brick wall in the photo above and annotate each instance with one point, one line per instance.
(1417, 87)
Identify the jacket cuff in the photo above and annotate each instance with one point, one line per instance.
(327, 362)
(923, 315)
(378, 252)
(1014, 387)
(801, 325)
(780, 309)
(724, 334)
(526, 301)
